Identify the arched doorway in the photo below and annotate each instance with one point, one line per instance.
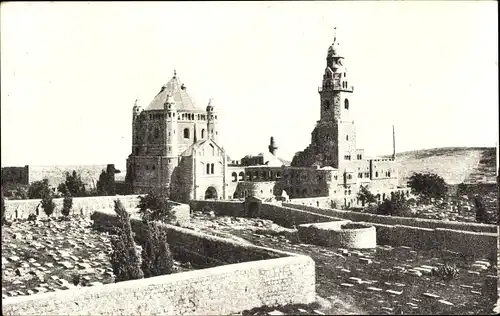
(210, 193)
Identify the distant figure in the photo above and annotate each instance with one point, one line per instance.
(481, 216)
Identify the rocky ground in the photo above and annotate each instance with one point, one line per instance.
(384, 280)
(45, 256)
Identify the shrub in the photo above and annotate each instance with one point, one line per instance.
(481, 215)
(3, 208)
(73, 185)
(365, 196)
(446, 272)
(67, 205)
(48, 205)
(429, 185)
(156, 207)
(39, 189)
(125, 260)
(395, 206)
(156, 256)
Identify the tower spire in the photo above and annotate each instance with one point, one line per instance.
(334, 34)
(393, 143)
(175, 73)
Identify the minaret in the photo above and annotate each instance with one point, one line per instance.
(393, 143)
(136, 111)
(272, 146)
(171, 117)
(212, 132)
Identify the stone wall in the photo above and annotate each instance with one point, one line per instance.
(277, 278)
(395, 220)
(284, 216)
(419, 233)
(21, 209)
(82, 205)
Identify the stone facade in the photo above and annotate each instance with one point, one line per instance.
(175, 147)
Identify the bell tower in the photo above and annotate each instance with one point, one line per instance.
(335, 90)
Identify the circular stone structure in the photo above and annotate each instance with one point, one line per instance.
(357, 235)
(342, 234)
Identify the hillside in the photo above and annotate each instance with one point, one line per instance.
(454, 164)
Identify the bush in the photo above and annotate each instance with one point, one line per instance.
(156, 256)
(67, 205)
(395, 206)
(446, 272)
(481, 215)
(39, 189)
(48, 205)
(125, 260)
(365, 196)
(73, 185)
(156, 207)
(3, 208)
(429, 185)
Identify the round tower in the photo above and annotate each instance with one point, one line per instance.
(171, 135)
(136, 112)
(212, 128)
(273, 148)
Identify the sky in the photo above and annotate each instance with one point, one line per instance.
(72, 71)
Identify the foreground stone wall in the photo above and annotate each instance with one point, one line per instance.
(395, 220)
(282, 278)
(214, 291)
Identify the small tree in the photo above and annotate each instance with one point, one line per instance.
(3, 207)
(72, 185)
(428, 185)
(395, 206)
(481, 215)
(156, 256)
(102, 183)
(48, 205)
(39, 189)
(67, 205)
(125, 260)
(365, 196)
(156, 207)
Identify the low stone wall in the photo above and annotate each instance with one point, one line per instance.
(222, 208)
(478, 245)
(81, 205)
(395, 220)
(284, 279)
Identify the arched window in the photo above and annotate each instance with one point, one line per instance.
(203, 133)
(256, 175)
(242, 176)
(186, 133)
(249, 176)
(376, 174)
(271, 175)
(235, 176)
(346, 104)
(212, 168)
(278, 175)
(347, 137)
(263, 175)
(208, 168)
